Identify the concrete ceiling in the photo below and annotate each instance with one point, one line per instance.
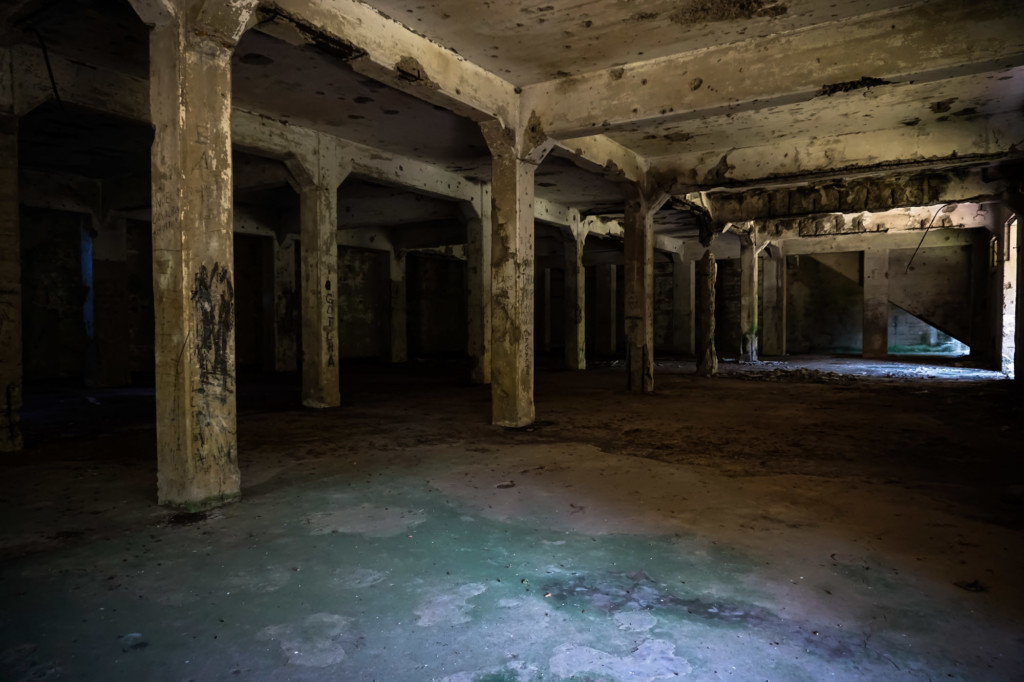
(530, 41)
(714, 93)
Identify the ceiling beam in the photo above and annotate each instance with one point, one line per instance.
(379, 47)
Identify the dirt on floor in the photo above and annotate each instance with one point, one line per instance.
(802, 520)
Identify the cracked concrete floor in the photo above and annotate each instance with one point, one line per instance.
(720, 529)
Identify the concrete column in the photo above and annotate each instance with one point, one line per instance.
(1018, 356)
(575, 298)
(399, 319)
(876, 303)
(682, 303)
(707, 356)
(545, 309)
(774, 302)
(10, 288)
(748, 298)
(605, 305)
(190, 99)
(112, 345)
(286, 306)
(516, 155)
(1010, 291)
(478, 286)
(638, 231)
(318, 216)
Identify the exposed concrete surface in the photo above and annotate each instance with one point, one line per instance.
(690, 533)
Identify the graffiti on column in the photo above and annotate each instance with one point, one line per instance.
(214, 298)
(329, 301)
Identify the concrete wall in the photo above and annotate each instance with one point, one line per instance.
(728, 339)
(53, 330)
(436, 304)
(251, 285)
(663, 301)
(936, 288)
(825, 306)
(364, 303)
(141, 324)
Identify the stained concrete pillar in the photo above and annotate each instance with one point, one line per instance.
(707, 356)
(478, 286)
(10, 288)
(516, 154)
(774, 302)
(399, 336)
(111, 341)
(1018, 356)
(605, 305)
(190, 101)
(876, 303)
(638, 228)
(286, 305)
(748, 297)
(322, 173)
(575, 297)
(682, 303)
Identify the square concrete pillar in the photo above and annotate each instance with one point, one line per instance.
(705, 275)
(575, 300)
(1018, 356)
(682, 303)
(286, 305)
(748, 298)
(638, 230)
(516, 154)
(399, 317)
(774, 303)
(876, 303)
(190, 98)
(318, 209)
(605, 305)
(478, 286)
(10, 289)
(111, 342)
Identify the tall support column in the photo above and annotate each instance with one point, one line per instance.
(110, 305)
(774, 303)
(516, 154)
(190, 99)
(324, 172)
(682, 302)
(286, 306)
(748, 297)
(399, 318)
(605, 306)
(478, 286)
(707, 356)
(1018, 355)
(575, 297)
(10, 286)
(638, 230)
(876, 303)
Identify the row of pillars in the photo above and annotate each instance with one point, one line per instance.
(193, 274)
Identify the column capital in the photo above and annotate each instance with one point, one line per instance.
(526, 142)
(322, 167)
(208, 23)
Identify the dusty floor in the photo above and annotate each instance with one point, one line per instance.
(781, 522)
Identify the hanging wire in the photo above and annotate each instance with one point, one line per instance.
(49, 68)
(930, 223)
